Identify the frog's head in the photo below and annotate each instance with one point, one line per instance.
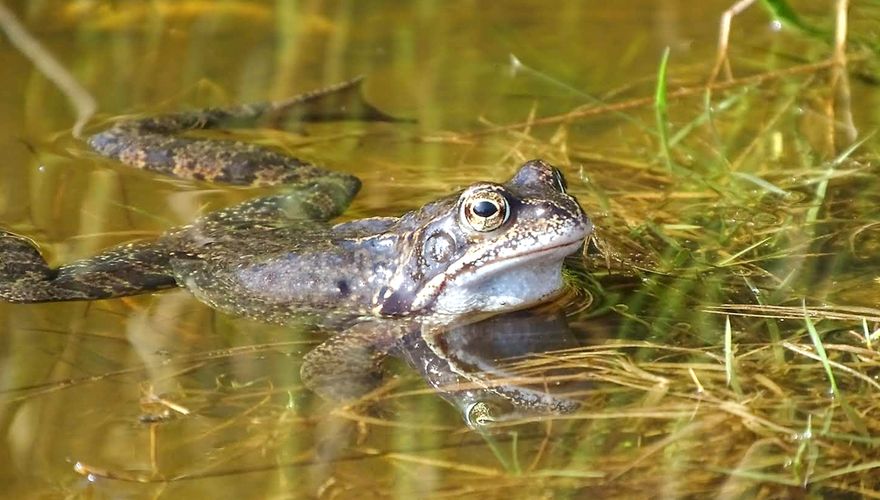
(492, 248)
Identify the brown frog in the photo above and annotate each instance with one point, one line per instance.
(489, 248)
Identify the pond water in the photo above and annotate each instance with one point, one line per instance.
(721, 331)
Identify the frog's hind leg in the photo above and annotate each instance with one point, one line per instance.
(126, 270)
(348, 365)
(156, 144)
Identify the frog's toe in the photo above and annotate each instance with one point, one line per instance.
(126, 270)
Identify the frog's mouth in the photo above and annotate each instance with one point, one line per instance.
(558, 253)
(565, 249)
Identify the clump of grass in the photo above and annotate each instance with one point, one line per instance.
(756, 224)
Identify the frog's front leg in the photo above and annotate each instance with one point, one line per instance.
(125, 270)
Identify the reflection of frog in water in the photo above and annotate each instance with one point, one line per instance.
(491, 370)
(488, 249)
(488, 369)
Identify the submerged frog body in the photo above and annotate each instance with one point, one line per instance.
(493, 247)
(490, 248)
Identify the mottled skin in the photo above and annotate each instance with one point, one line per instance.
(487, 249)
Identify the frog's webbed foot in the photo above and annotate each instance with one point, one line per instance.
(126, 270)
(342, 101)
(348, 365)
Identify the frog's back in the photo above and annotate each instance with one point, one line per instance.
(275, 273)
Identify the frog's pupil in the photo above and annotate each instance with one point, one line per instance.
(485, 208)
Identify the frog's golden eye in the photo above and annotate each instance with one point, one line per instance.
(559, 181)
(486, 211)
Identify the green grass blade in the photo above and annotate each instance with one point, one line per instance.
(661, 109)
(785, 14)
(854, 418)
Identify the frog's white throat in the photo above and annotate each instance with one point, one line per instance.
(503, 285)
